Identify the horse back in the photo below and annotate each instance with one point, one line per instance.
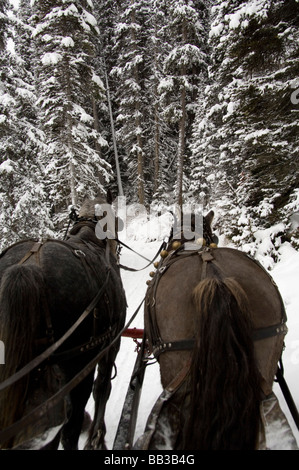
(73, 272)
(170, 302)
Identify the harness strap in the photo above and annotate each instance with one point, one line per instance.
(269, 331)
(131, 249)
(93, 343)
(126, 268)
(182, 345)
(188, 344)
(35, 250)
(160, 346)
(206, 257)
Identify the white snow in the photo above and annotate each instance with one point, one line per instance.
(249, 8)
(230, 108)
(256, 134)
(67, 42)
(216, 29)
(51, 58)
(7, 166)
(165, 84)
(284, 273)
(90, 18)
(97, 80)
(47, 37)
(83, 115)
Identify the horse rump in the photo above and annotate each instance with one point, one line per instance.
(225, 381)
(22, 301)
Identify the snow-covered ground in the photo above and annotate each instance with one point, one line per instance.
(285, 273)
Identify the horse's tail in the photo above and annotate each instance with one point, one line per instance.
(225, 382)
(22, 302)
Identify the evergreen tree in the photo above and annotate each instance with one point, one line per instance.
(247, 130)
(3, 23)
(68, 89)
(129, 71)
(227, 139)
(22, 195)
(185, 68)
(161, 143)
(160, 57)
(106, 14)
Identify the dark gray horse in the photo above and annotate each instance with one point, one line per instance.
(45, 287)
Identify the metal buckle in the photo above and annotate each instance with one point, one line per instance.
(162, 269)
(79, 253)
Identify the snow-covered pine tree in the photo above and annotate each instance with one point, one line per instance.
(270, 47)
(247, 133)
(23, 204)
(106, 15)
(67, 85)
(161, 143)
(129, 72)
(185, 68)
(3, 23)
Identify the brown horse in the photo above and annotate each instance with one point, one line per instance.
(216, 322)
(45, 288)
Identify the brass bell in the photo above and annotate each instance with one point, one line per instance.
(164, 254)
(156, 264)
(213, 245)
(201, 242)
(148, 282)
(175, 245)
(152, 273)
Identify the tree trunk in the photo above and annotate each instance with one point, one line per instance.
(181, 149)
(157, 120)
(119, 182)
(140, 163)
(70, 145)
(182, 128)
(157, 149)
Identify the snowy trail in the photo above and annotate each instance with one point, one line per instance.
(285, 274)
(135, 287)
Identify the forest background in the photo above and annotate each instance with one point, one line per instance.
(164, 101)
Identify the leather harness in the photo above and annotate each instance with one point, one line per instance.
(206, 253)
(49, 337)
(95, 339)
